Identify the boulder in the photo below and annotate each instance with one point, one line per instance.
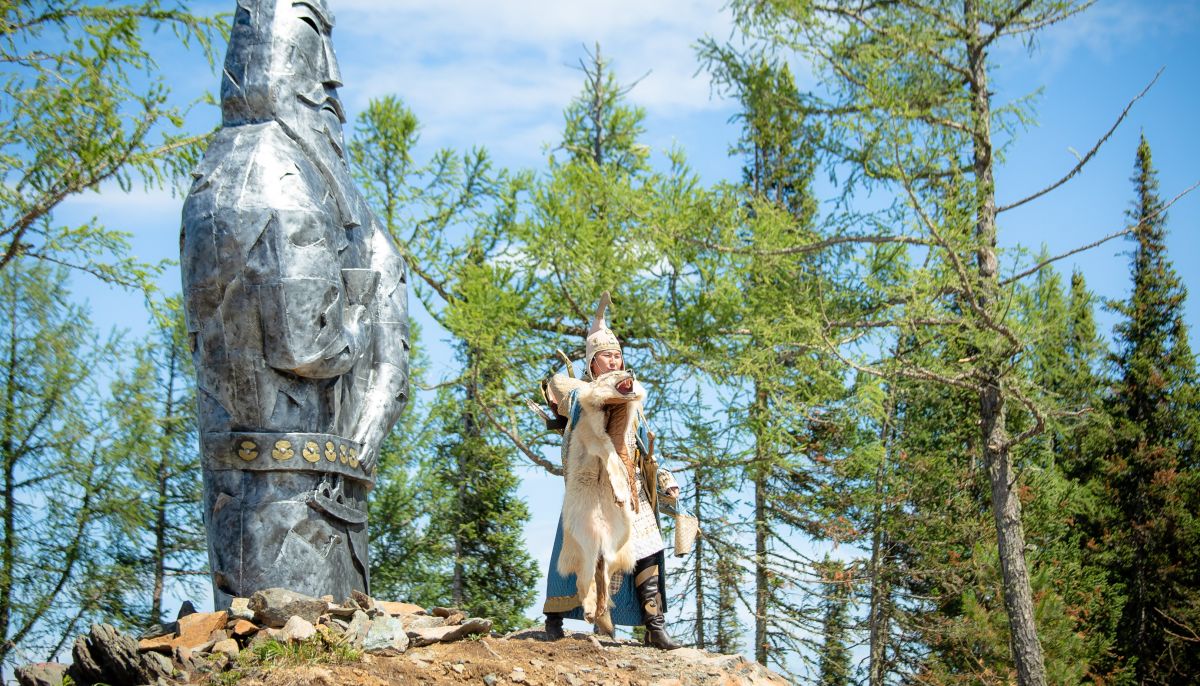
(41, 674)
(105, 655)
(298, 629)
(275, 606)
(197, 628)
(385, 636)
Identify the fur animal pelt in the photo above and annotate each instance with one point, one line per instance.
(597, 515)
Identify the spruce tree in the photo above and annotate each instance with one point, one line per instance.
(1152, 537)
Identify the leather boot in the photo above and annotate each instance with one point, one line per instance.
(554, 629)
(646, 584)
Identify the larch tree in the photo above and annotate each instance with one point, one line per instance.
(87, 106)
(160, 533)
(909, 107)
(449, 218)
(61, 471)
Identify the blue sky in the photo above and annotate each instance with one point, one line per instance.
(498, 75)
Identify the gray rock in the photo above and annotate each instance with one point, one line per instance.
(41, 674)
(275, 606)
(239, 608)
(227, 646)
(297, 629)
(359, 626)
(159, 663)
(187, 608)
(423, 622)
(341, 610)
(517, 676)
(160, 630)
(106, 655)
(489, 679)
(188, 659)
(446, 634)
(386, 636)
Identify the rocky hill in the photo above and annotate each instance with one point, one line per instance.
(280, 638)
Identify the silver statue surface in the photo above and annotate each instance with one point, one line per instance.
(296, 308)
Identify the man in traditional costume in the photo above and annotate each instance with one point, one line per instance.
(638, 598)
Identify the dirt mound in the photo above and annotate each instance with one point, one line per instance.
(525, 658)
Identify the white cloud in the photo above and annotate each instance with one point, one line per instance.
(500, 74)
(1105, 31)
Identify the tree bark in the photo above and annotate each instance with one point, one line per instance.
(761, 576)
(1006, 508)
(880, 590)
(698, 566)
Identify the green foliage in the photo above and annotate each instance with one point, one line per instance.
(86, 105)
(454, 531)
(1148, 473)
(61, 470)
(601, 127)
(834, 660)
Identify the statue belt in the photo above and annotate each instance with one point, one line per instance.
(284, 452)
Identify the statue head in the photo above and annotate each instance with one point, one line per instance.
(281, 66)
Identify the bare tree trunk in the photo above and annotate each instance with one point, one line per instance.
(879, 616)
(8, 553)
(1006, 508)
(762, 593)
(162, 477)
(698, 566)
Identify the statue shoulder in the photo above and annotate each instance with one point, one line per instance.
(256, 161)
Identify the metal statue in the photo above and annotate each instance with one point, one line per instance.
(296, 309)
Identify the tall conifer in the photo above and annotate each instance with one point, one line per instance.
(1152, 545)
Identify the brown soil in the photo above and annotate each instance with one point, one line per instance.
(529, 659)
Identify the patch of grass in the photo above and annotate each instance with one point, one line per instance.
(323, 648)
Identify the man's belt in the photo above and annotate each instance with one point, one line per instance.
(284, 452)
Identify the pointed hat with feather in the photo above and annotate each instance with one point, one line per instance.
(600, 337)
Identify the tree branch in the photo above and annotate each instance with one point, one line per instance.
(1091, 153)
(1129, 229)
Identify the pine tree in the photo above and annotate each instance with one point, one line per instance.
(408, 558)
(1152, 535)
(911, 117)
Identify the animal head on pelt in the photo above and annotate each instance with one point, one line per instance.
(614, 388)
